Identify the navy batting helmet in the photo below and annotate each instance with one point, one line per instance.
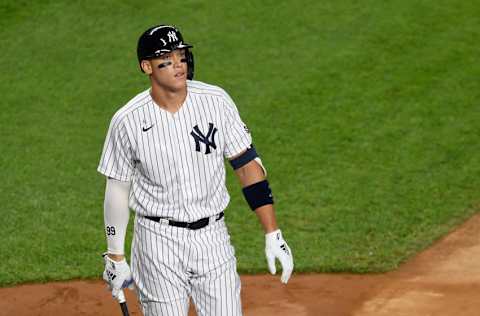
(161, 39)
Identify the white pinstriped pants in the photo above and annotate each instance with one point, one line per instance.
(171, 264)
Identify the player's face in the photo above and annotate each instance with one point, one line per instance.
(169, 71)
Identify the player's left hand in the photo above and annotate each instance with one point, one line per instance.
(276, 247)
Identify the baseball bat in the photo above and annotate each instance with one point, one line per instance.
(123, 303)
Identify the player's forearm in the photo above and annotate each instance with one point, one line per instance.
(116, 216)
(250, 174)
(266, 217)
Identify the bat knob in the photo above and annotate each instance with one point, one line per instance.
(121, 297)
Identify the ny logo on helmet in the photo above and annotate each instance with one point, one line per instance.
(208, 140)
(172, 36)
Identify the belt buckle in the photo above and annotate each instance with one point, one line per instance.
(164, 221)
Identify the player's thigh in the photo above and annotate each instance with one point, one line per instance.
(172, 308)
(217, 293)
(158, 274)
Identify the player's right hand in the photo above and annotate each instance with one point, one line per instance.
(117, 274)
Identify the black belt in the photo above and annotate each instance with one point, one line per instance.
(193, 225)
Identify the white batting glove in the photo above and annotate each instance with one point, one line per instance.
(118, 276)
(276, 247)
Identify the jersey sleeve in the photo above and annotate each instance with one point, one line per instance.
(117, 156)
(237, 136)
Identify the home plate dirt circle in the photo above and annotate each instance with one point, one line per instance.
(442, 281)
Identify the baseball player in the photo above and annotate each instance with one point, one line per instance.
(164, 158)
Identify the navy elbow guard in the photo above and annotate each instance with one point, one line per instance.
(249, 155)
(258, 194)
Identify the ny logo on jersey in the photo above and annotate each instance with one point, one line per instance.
(208, 140)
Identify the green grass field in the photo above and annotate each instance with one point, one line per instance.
(366, 115)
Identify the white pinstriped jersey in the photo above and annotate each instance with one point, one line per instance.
(175, 161)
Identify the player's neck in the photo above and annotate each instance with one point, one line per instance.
(170, 101)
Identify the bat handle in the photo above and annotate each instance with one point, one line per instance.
(123, 303)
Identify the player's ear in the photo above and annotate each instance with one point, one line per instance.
(146, 66)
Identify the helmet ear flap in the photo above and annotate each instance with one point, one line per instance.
(190, 64)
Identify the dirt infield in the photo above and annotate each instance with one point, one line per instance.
(442, 281)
